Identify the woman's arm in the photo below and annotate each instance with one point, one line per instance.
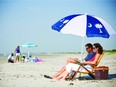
(92, 62)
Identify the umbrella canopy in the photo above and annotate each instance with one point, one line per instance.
(84, 25)
(29, 45)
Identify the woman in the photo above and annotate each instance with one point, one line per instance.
(17, 51)
(97, 48)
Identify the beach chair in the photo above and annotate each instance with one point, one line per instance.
(90, 73)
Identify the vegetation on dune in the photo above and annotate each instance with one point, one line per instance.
(113, 51)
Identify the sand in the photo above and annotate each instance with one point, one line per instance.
(31, 74)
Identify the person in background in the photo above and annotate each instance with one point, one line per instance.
(23, 59)
(17, 52)
(11, 58)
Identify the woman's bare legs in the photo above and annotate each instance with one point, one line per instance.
(65, 75)
(17, 58)
(69, 60)
(62, 76)
(60, 72)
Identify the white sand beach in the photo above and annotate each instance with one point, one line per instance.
(31, 74)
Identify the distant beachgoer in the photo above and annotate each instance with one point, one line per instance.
(20, 58)
(11, 58)
(28, 59)
(17, 51)
(23, 59)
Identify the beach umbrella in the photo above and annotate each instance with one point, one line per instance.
(29, 45)
(84, 25)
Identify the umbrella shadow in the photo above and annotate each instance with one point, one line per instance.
(110, 77)
(84, 78)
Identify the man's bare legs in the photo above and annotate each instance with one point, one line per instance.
(62, 76)
(69, 60)
(65, 74)
(60, 72)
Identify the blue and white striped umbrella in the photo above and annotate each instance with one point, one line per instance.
(84, 25)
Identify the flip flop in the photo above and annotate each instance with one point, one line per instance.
(46, 76)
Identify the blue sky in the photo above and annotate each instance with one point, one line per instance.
(24, 21)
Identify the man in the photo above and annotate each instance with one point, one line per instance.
(91, 54)
(11, 58)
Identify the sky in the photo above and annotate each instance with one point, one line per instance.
(24, 21)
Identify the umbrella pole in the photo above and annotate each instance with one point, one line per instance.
(28, 53)
(82, 48)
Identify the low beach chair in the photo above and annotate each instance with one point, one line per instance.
(90, 73)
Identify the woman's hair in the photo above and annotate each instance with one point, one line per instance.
(100, 49)
(18, 47)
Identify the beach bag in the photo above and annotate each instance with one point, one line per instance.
(37, 60)
(101, 73)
